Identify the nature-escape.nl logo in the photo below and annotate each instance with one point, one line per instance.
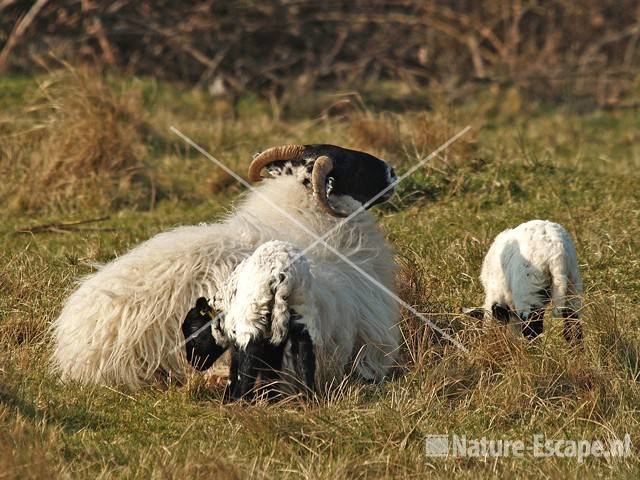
(538, 447)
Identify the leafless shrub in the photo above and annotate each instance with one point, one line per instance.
(286, 47)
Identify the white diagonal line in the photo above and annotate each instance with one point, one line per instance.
(315, 235)
(201, 329)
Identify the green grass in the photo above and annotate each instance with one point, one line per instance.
(540, 162)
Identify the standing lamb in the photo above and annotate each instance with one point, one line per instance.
(526, 268)
(267, 313)
(122, 325)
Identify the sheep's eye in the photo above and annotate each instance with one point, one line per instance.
(330, 182)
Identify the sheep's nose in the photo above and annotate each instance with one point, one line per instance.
(391, 175)
(391, 180)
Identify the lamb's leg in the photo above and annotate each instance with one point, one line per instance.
(570, 311)
(533, 325)
(572, 328)
(304, 358)
(201, 347)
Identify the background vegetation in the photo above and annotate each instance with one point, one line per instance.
(92, 144)
(281, 49)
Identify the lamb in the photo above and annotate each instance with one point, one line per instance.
(122, 325)
(268, 315)
(527, 267)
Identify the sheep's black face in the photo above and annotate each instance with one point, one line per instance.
(360, 175)
(329, 170)
(261, 358)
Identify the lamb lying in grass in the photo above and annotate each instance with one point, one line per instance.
(526, 268)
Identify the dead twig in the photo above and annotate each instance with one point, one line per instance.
(66, 227)
(19, 29)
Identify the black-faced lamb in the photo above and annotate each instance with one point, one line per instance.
(269, 316)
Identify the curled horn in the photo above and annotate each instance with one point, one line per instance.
(283, 152)
(321, 169)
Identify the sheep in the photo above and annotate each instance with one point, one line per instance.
(527, 267)
(122, 325)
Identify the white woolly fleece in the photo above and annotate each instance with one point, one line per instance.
(122, 324)
(524, 262)
(261, 291)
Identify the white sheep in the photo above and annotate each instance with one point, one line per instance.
(269, 314)
(527, 267)
(122, 326)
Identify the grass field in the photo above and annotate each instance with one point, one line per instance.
(74, 146)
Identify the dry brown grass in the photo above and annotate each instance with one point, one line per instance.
(554, 165)
(410, 136)
(85, 137)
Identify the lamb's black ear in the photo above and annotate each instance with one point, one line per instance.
(304, 358)
(201, 347)
(202, 304)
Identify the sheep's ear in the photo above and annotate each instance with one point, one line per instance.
(474, 312)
